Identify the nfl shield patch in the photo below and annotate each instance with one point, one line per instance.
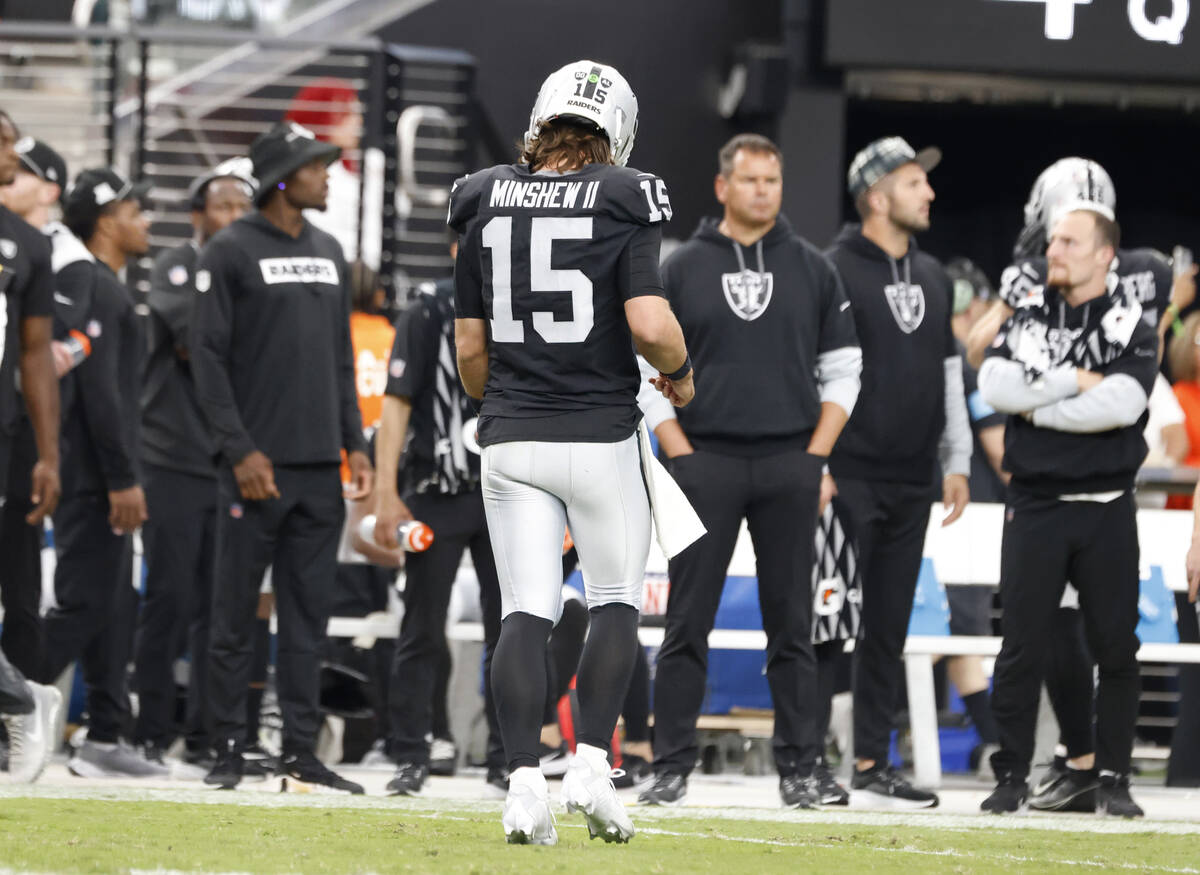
(235, 511)
(177, 275)
(748, 292)
(8, 248)
(907, 303)
(94, 329)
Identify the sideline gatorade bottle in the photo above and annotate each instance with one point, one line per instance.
(414, 536)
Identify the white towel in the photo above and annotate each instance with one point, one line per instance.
(676, 525)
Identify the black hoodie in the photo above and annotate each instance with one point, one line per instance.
(755, 319)
(896, 426)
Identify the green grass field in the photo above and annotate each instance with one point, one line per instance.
(101, 835)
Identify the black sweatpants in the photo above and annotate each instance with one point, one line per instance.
(458, 524)
(887, 522)
(93, 620)
(1183, 768)
(1094, 545)
(15, 695)
(1070, 683)
(297, 534)
(21, 565)
(178, 540)
(777, 496)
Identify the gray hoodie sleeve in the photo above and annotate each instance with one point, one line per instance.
(1004, 386)
(954, 449)
(1117, 401)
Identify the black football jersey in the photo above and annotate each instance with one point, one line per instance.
(1142, 275)
(26, 290)
(548, 261)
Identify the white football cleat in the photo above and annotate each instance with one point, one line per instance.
(527, 817)
(587, 788)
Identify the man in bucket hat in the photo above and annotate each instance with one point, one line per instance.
(274, 370)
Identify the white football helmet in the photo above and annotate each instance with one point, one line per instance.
(594, 93)
(1067, 184)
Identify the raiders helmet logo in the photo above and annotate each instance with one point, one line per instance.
(907, 303)
(748, 292)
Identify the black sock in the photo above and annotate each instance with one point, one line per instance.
(604, 671)
(636, 709)
(980, 709)
(519, 686)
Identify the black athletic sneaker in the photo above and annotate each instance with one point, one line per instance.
(259, 763)
(634, 772)
(153, 753)
(1008, 796)
(408, 780)
(228, 768)
(669, 788)
(828, 789)
(1070, 790)
(497, 779)
(443, 757)
(798, 792)
(311, 773)
(885, 781)
(1053, 774)
(1112, 797)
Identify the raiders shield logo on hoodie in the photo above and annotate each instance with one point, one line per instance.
(908, 305)
(748, 292)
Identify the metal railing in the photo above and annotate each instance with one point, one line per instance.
(167, 104)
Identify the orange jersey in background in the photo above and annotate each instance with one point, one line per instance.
(371, 337)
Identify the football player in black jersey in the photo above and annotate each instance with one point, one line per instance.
(556, 282)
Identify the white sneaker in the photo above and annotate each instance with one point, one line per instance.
(527, 817)
(96, 760)
(587, 788)
(30, 736)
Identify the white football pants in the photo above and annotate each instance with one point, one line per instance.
(532, 490)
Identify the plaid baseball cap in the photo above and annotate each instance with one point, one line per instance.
(93, 190)
(42, 161)
(882, 157)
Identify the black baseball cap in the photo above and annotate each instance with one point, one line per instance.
(42, 161)
(240, 169)
(883, 156)
(92, 191)
(282, 151)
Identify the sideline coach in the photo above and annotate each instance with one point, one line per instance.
(274, 372)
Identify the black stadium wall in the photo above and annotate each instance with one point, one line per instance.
(673, 52)
(1001, 88)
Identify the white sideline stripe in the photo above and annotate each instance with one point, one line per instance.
(431, 807)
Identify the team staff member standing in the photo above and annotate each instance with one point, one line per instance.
(768, 325)
(103, 502)
(556, 282)
(911, 414)
(1074, 368)
(440, 483)
(181, 480)
(29, 419)
(274, 371)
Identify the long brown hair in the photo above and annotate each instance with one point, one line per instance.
(1181, 354)
(565, 142)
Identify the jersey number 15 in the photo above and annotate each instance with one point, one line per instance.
(544, 230)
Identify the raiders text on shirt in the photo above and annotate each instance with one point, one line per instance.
(298, 270)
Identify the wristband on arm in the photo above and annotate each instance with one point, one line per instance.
(684, 370)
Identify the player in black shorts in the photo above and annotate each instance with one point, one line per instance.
(556, 282)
